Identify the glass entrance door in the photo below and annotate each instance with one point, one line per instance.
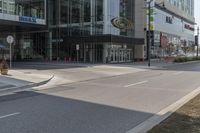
(120, 55)
(31, 46)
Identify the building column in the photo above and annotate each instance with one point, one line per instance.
(49, 47)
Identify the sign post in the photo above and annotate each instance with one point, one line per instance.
(10, 40)
(77, 50)
(197, 41)
(150, 28)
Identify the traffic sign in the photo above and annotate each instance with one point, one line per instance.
(77, 47)
(10, 39)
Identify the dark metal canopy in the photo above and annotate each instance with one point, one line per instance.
(104, 39)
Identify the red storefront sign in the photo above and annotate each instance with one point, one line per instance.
(163, 40)
(188, 27)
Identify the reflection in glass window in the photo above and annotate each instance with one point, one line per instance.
(0, 6)
(87, 11)
(75, 11)
(99, 9)
(4, 6)
(64, 12)
(29, 8)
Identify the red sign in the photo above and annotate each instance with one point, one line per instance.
(163, 40)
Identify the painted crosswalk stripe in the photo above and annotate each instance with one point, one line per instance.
(9, 115)
(138, 83)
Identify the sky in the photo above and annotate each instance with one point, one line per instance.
(197, 11)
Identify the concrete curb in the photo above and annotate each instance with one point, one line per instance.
(163, 114)
(12, 90)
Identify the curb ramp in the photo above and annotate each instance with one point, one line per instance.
(11, 90)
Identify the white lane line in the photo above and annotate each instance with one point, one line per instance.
(177, 73)
(9, 115)
(138, 83)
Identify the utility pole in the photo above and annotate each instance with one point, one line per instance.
(149, 34)
(198, 41)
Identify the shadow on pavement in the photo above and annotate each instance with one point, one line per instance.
(42, 113)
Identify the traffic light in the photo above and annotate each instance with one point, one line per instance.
(151, 35)
(196, 40)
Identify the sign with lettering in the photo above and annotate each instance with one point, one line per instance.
(27, 19)
(188, 27)
(169, 20)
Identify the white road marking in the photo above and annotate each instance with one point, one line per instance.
(138, 83)
(177, 73)
(9, 115)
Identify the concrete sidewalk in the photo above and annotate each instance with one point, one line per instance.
(72, 75)
(155, 63)
(63, 72)
(28, 76)
(74, 72)
(70, 72)
(17, 81)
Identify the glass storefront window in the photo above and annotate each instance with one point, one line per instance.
(75, 11)
(4, 6)
(87, 12)
(0, 6)
(64, 12)
(99, 9)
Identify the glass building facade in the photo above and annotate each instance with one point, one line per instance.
(29, 8)
(25, 20)
(186, 6)
(93, 31)
(174, 32)
(82, 30)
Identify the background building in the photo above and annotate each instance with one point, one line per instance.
(93, 30)
(25, 20)
(104, 31)
(174, 27)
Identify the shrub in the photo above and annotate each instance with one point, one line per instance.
(4, 65)
(186, 59)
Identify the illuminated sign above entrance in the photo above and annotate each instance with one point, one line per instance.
(27, 19)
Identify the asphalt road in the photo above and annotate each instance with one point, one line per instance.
(8, 82)
(107, 105)
(3, 85)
